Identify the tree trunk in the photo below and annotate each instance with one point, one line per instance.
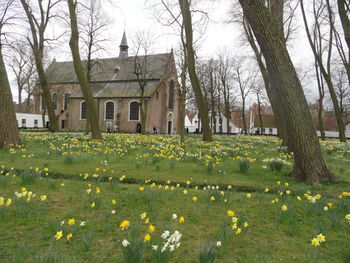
(19, 97)
(81, 75)
(259, 112)
(243, 117)
(8, 124)
(320, 86)
(309, 164)
(143, 111)
(275, 104)
(345, 21)
(183, 101)
(202, 107)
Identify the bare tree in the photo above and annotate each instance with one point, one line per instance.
(245, 78)
(258, 92)
(225, 67)
(38, 23)
(81, 73)
(309, 164)
(325, 66)
(23, 66)
(8, 124)
(143, 43)
(342, 90)
(203, 110)
(93, 23)
(183, 65)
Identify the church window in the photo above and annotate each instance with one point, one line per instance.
(83, 110)
(134, 111)
(54, 101)
(171, 95)
(42, 103)
(109, 110)
(66, 100)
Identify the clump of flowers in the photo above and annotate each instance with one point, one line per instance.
(162, 253)
(316, 241)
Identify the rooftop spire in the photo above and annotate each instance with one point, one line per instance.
(124, 41)
(123, 48)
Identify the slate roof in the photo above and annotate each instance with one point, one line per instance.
(103, 69)
(120, 89)
(268, 121)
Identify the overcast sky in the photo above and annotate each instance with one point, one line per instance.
(133, 16)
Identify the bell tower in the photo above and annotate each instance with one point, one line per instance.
(123, 48)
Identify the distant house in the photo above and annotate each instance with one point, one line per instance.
(26, 118)
(31, 121)
(218, 125)
(267, 125)
(188, 125)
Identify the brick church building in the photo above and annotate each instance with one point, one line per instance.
(117, 93)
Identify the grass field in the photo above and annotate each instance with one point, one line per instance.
(231, 200)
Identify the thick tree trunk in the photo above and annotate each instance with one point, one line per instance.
(275, 104)
(345, 21)
(309, 164)
(8, 124)
(202, 107)
(81, 75)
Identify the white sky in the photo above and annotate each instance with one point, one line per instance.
(133, 16)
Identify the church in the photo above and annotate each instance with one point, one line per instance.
(117, 92)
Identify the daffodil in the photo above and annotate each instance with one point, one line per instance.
(59, 235)
(315, 242)
(230, 213)
(71, 221)
(147, 238)
(151, 228)
(124, 225)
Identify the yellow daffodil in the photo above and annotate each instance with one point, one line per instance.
(147, 238)
(58, 235)
(124, 225)
(230, 213)
(151, 228)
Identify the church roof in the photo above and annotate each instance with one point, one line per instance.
(268, 121)
(119, 89)
(104, 69)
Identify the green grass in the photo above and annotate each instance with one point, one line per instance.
(28, 228)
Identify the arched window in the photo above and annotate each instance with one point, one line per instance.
(109, 110)
(54, 101)
(42, 103)
(171, 95)
(83, 111)
(66, 101)
(134, 111)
